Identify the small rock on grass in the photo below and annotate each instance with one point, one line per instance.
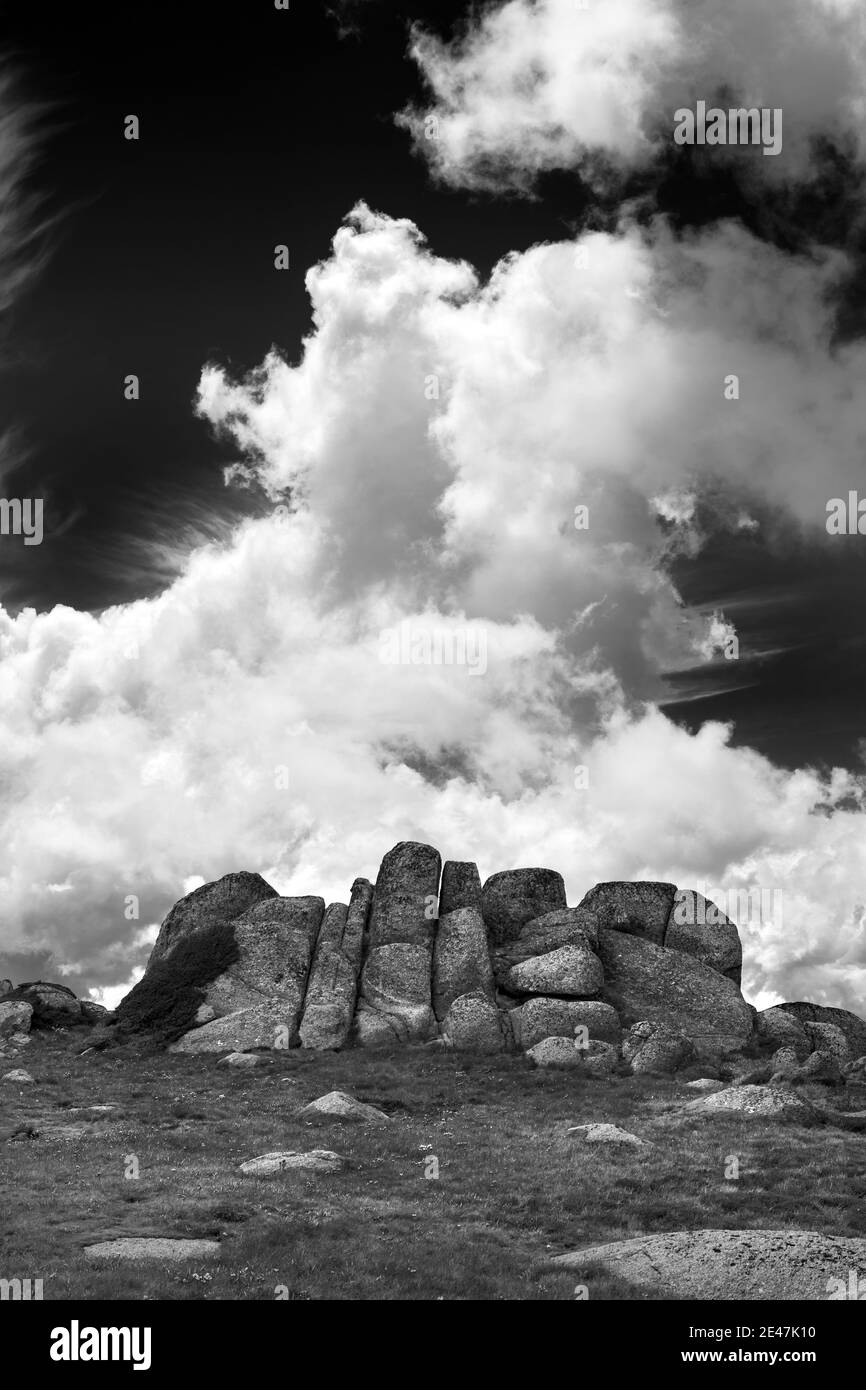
(343, 1107)
(20, 1076)
(607, 1134)
(316, 1161)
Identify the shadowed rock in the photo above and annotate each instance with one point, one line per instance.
(53, 1006)
(331, 993)
(853, 1027)
(220, 901)
(700, 929)
(516, 896)
(639, 909)
(461, 960)
(778, 1028)
(656, 1049)
(648, 983)
(461, 886)
(275, 941)
(540, 935)
(15, 1016)
(829, 1038)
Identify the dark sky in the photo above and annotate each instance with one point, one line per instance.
(262, 127)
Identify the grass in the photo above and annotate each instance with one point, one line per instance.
(513, 1189)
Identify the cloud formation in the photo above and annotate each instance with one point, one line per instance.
(532, 86)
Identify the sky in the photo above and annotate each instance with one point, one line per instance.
(486, 407)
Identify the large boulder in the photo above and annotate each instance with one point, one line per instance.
(405, 897)
(647, 983)
(207, 906)
(395, 995)
(394, 1005)
(516, 896)
(851, 1025)
(461, 960)
(777, 1028)
(268, 1024)
(15, 1016)
(542, 1018)
(460, 887)
(829, 1038)
(260, 958)
(53, 1006)
(329, 1006)
(700, 929)
(548, 933)
(657, 1050)
(474, 1024)
(571, 970)
(275, 941)
(639, 909)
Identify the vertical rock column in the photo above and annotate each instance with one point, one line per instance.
(333, 987)
(394, 1002)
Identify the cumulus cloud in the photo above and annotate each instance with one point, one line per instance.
(424, 461)
(537, 85)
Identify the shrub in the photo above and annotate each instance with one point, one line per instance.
(165, 1001)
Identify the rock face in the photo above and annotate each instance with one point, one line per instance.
(853, 1027)
(265, 1025)
(15, 1017)
(516, 896)
(565, 927)
(700, 929)
(395, 996)
(571, 970)
(509, 965)
(648, 983)
(461, 887)
(220, 901)
(330, 1003)
(777, 1028)
(555, 1052)
(473, 1023)
(461, 960)
(656, 1049)
(5, 988)
(275, 941)
(638, 909)
(542, 1018)
(725, 1265)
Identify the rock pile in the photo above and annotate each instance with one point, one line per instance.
(638, 977)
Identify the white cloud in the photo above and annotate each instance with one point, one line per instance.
(244, 719)
(537, 85)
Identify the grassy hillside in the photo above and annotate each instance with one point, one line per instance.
(513, 1189)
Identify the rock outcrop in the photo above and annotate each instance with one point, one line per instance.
(640, 976)
(221, 901)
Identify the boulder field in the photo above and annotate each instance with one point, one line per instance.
(637, 977)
